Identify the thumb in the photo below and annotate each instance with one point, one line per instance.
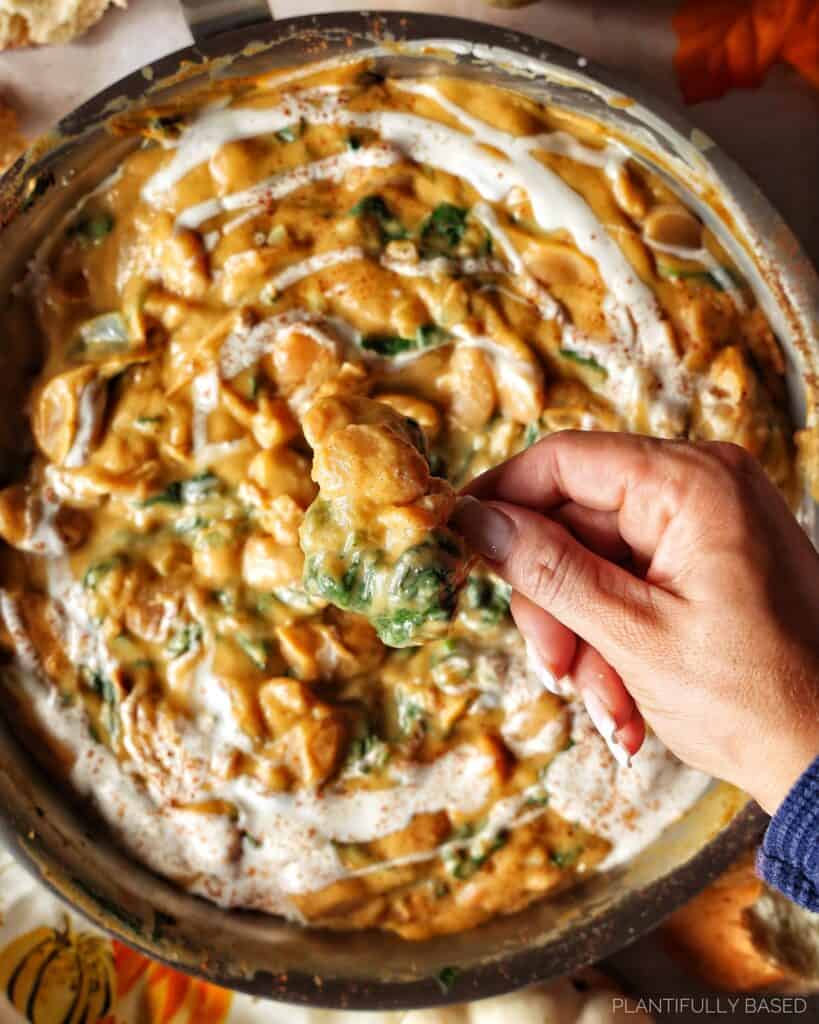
(601, 602)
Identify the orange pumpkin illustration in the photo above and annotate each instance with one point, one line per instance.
(52, 976)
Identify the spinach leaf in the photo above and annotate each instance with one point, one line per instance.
(462, 863)
(565, 858)
(291, 132)
(184, 640)
(95, 573)
(349, 586)
(444, 228)
(256, 650)
(582, 360)
(410, 715)
(401, 628)
(366, 754)
(446, 978)
(184, 492)
(387, 345)
(167, 126)
(190, 524)
(199, 487)
(704, 276)
(490, 598)
(171, 495)
(92, 228)
(103, 687)
(376, 207)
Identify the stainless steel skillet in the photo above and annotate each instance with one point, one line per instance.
(65, 848)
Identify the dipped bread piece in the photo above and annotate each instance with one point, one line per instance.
(375, 540)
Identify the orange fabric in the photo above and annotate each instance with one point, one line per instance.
(802, 48)
(129, 967)
(168, 991)
(214, 1004)
(727, 44)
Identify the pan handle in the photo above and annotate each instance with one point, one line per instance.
(207, 18)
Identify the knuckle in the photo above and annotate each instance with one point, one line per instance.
(731, 462)
(720, 476)
(553, 572)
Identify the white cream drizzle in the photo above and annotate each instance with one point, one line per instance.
(205, 400)
(609, 158)
(545, 741)
(313, 265)
(246, 346)
(629, 806)
(442, 266)
(82, 640)
(547, 305)
(511, 372)
(90, 410)
(706, 259)
(209, 699)
(294, 834)
(25, 650)
(43, 536)
(554, 203)
(331, 168)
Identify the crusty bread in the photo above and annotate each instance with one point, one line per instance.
(786, 933)
(35, 22)
(12, 142)
(740, 935)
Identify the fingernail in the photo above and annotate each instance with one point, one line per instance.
(486, 529)
(606, 726)
(541, 671)
(620, 743)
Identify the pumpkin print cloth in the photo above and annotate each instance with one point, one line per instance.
(56, 968)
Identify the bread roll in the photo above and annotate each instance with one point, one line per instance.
(35, 22)
(740, 935)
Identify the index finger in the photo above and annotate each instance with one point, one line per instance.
(636, 477)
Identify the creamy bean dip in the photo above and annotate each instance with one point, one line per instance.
(382, 287)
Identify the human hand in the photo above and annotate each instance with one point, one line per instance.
(673, 585)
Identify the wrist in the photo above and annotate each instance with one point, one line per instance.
(776, 773)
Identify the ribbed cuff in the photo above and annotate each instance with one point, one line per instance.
(788, 859)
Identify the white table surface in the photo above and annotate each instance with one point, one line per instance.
(772, 132)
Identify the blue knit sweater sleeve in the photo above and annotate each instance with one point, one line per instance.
(789, 857)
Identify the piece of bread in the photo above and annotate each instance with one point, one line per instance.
(36, 22)
(739, 935)
(786, 933)
(12, 142)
